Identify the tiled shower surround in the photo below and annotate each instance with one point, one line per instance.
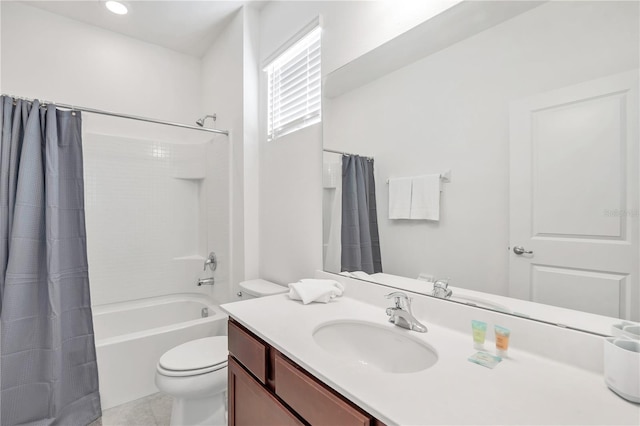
(149, 218)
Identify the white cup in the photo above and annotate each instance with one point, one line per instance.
(622, 367)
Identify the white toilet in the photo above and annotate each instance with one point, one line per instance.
(195, 373)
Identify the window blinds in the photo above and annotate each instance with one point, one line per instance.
(294, 96)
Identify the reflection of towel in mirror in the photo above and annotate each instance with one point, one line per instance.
(425, 197)
(315, 290)
(400, 198)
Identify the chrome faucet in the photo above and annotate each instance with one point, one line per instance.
(441, 288)
(401, 314)
(212, 263)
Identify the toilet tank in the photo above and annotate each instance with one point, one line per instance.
(259, 288)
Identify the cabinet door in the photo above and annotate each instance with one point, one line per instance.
(251, 404)
(312, 400)
(249, 350)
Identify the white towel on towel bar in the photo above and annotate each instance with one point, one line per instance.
(425, 197)
(400, 198)
(315, 290)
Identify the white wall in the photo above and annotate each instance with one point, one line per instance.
(50, 57)
(229, 81)
(291, 206)
(291, 167)
(451, 111)
(145, 227)
(251, 164)
(222, 82)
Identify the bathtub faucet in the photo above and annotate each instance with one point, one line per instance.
(206, 281)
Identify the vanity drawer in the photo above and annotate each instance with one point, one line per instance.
(250, 351)
(252, 404)
(313, 401)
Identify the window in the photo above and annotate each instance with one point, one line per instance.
(294, 97)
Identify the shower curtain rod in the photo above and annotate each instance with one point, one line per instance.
(130, 117)
(344, 153)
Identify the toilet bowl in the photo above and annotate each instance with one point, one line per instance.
(195, 373)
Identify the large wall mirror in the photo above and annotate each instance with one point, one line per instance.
(536, 120)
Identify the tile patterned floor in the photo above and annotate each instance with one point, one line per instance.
(153, 410)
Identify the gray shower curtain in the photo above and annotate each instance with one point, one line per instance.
(360, 240)
(48, 370)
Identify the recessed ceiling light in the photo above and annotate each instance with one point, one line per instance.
(116, 7)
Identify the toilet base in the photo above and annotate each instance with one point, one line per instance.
(198, 400)
(197, 412)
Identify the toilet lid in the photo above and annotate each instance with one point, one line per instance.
(261, 288)
(196, 354)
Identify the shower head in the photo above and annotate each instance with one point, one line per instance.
(200, 121)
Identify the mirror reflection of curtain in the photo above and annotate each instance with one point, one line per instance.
(360, 240)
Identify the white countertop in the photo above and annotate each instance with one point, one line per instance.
(522, 389)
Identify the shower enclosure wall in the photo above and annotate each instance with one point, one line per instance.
(149, 215)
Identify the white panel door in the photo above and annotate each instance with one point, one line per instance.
(574, 190)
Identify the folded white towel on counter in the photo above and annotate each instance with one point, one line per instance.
(315, 290)
(400, 198)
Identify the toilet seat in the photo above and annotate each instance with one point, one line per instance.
(190, 373)
(195, 357)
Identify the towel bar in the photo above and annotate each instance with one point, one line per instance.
(445, 177)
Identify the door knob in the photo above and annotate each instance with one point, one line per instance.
(519, 250)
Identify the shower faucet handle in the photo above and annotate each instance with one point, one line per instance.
(211, 261)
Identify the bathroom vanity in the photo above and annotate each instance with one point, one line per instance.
(265, 387)
(281, 367)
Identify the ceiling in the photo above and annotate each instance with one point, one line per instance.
(182, 25)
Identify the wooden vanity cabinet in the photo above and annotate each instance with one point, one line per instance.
(252, 404)
(266, 388)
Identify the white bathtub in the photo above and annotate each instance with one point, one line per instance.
(132, 336)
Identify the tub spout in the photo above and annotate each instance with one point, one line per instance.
(206, 281)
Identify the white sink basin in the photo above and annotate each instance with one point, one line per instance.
(375, 346)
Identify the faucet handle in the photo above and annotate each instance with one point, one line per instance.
(401, 299)
(441, 282)
(211, 262)
(441, 288)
